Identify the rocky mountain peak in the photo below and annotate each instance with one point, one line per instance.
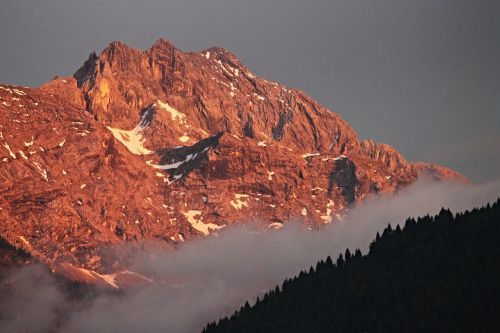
(88, 69)
(168, 145)
(385, 153)
(223, 55)
(163, 44)
(118, 54)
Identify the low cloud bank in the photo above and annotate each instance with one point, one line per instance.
(212, 277)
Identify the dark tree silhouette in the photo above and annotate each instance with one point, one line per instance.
(436, 274)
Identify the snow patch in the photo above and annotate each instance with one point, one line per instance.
(175, 165)
(6, 145)
(341, 157)
(318, 189)
(261, 144)
(18, 92)
(270, 175)
(110, 279)
(337, 136)
(13, 90)
(306, 155)
(239, 201)
(195, 218)
(174, 114)
(328, 217)
(232, 89)
(22, 155)
(133, 140)
(41, 170)
(27, 144)
(24, 240)
(275, 225)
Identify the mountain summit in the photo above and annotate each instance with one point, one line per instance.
(169, 145)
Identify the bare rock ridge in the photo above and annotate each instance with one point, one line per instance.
(167, 145)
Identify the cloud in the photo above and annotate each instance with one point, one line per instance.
(212, 277)
(29, 301)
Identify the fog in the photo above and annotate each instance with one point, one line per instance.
(214, 276)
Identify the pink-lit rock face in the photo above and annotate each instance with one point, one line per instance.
(169, 145)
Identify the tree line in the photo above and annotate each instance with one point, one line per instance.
(435, 274)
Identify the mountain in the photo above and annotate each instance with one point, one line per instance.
(436, 274)
(165, 145)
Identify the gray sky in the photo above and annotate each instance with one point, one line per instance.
(421, 75)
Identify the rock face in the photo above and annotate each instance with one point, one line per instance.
(169, 145)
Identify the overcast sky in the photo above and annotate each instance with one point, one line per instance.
(421, 75)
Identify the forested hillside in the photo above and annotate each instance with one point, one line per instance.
(436, 274)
